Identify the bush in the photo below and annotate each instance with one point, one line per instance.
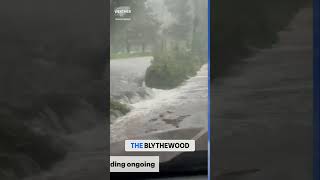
(116, 106)
(169, 69)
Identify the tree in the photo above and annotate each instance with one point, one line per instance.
(180, 31)
(141, 30)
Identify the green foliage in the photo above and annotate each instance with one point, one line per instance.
(181, 11)
(117, 106)
(141, 31)
(170, 69)
(184, 45)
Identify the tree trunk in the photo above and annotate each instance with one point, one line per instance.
(143, 47)
(127, 43)
(128, 47)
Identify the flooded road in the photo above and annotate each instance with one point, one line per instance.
(182, 107)
(127, 77)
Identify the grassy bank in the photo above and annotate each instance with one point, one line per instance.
(114, 56)
(117, 108)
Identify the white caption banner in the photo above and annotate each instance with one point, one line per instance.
(160, 145)
(134, 163)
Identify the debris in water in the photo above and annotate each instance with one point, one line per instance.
(150, 130)
(153, 120)
(175, 121)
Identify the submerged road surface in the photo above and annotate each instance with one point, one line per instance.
(182, 107)
(127, 77)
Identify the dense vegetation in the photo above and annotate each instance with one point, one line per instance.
(169, 69)
(183, 48)
(117, 108)
(178, 48)
(135, 36)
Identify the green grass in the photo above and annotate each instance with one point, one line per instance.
(114, 56)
